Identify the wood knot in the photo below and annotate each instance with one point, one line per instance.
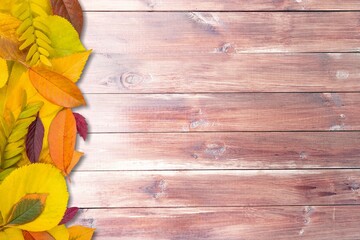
(157, 189)
(215, 150)
(131, 80)
(227, 48)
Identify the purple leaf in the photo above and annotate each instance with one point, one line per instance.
(81, 125)
(34, 140)
(69, 215)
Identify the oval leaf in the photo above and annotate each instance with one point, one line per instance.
(71, 10)
(81, 233)
(62, 139)
(27, 209)
(56, 88)
(81, 125)
(69, 215)
(34, 140)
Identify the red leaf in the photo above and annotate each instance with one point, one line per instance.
(71, 10)
(34, 140)
(81, 125)
(69, 215)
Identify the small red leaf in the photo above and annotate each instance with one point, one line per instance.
(69, 215)
(81, 125)
(71, 10)
(34, 140)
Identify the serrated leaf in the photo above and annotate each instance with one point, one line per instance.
(4, 72)
(69, 215)
(36, 178)
(56, 88)
(62, 139)
(80, 233)
(27, 209)
(81, 125)
(37, 236)
(34, 140)
(5, 173)
(71, 10)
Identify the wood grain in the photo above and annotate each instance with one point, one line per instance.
(219, 32)
(219, 5)
(214, 188)
(223, 112)
(282, 223)
(221, 151)
(210, 72)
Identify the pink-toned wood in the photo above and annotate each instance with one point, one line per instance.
(223, 112)
(214, 188)
(281, 223)
(219, 5)
(210, 72)
(221, 151)
(198, 33)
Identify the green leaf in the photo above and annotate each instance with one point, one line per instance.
(27, 209)
(5, 173)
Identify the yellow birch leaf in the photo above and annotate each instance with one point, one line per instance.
(80, 233)
(36, 178)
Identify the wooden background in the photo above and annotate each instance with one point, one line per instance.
(221, 119)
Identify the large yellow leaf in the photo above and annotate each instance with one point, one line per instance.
(81, 233)
(56, 88)
(71, 66)
(4, 72)
(36, 178)
(60, 232)
(11, 234)
(9, 42)
(62, 139)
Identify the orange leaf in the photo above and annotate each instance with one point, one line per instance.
(62, 139)
(76, 158)
(37, 236)
(81, 233)
(56, 88)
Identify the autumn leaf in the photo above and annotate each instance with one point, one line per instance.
(9, 42)
(37, 236)
(4, 72)
(56, 88)
(27, 209)
(34, 140)
(62, 139)
(81, 233)
(81, 125)
(71, 10)
(69, 215)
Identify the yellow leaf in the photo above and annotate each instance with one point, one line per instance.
(11, 234)
(80, 233)
(62, 139)
(9, 43)
(4, 72)
(36, 178)
(71, 66)
(56, 88)
(60, 232)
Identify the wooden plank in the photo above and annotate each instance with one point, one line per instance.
(221, 151)
(214, 188)
(210, 72)
(223, 112)
(282, 223)
(218, 5)
(215, 32)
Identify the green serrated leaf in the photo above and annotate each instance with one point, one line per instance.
(26, 210)
(5, 173)
(12, 161)
(31, 110)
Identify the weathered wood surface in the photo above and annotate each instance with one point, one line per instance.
(223, 112)
(220, 150)
(219, 5)
(165, 72)
(281, 223)
(215, 188)
(218, 32)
